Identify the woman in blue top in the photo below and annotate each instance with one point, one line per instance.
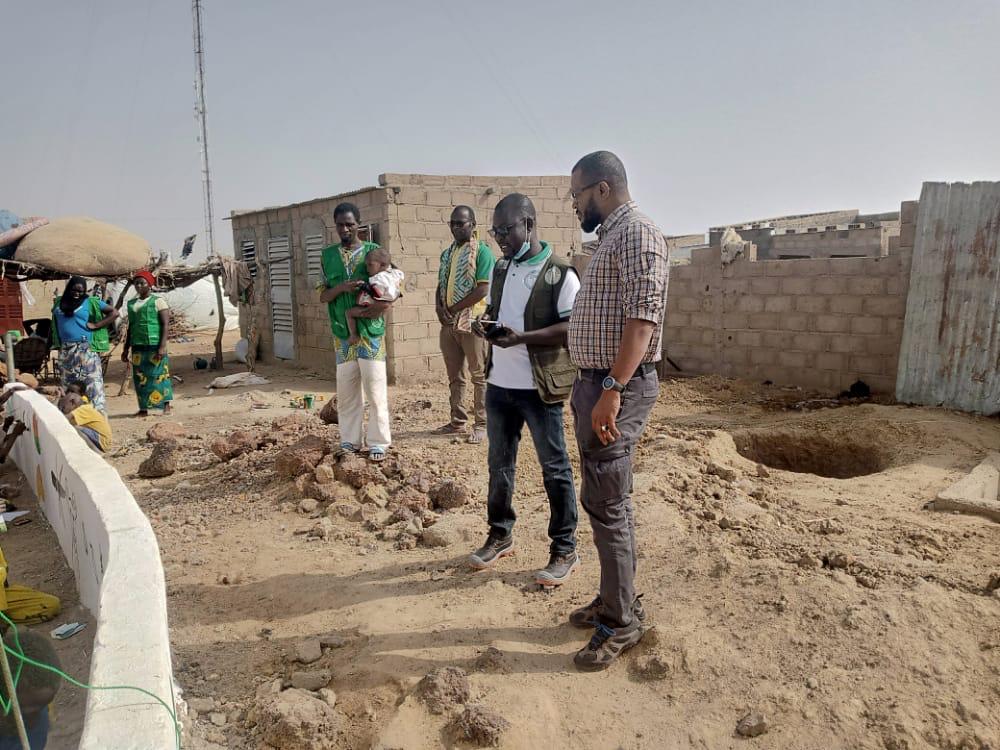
(78, 363)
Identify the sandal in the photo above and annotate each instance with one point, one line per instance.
(477, 435)
(344, 449)
(449, 429)
(376, 455)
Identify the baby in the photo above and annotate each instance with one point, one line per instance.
(384, 282)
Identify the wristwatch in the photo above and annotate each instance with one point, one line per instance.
(610, 384)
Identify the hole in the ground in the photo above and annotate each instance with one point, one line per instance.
(839, 456)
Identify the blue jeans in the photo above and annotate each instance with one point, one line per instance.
(507, 411)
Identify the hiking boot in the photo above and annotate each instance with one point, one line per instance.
(607, 644)
(586, 616)
(558, 570)
(495, 548)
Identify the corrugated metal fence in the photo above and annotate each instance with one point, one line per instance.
(950, 354)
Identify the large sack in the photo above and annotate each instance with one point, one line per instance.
(86, 247)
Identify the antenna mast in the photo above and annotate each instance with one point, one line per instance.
(199, 109)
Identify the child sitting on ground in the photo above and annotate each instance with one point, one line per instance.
(89, 422)
(383, 285)
(36, 689)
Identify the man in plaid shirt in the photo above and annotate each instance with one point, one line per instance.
(615, 335)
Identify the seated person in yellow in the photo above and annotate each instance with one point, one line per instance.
(36, 689)
(89, 422)
(23, 605)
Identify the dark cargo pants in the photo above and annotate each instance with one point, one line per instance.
(606, 491)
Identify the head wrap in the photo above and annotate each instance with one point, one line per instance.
(146, 276)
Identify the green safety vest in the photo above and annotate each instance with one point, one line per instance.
(100, 341)
(144, 323)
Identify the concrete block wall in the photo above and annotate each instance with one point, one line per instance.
(816, 323)
(108, 542)
(858, 242)
(419, 207)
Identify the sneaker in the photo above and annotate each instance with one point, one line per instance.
(495, 548)
(606, 645)
(558, 571)
(586, 616)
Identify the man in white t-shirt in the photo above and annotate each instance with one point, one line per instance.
(529, 375)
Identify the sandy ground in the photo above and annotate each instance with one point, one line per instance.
(837, 607)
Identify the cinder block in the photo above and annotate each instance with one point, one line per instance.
(866, 285)
(734, 321)
(866, 325)
(750, 339)
(765, 285)
(846, 305)
(831, 361)
(830, 285)
(797, 285)
(751, 304)
(885, 345)
(763, 321)
(676, 319)
(763, 356)
(898, 285)
(778, 304)
(794, 322)
(908, 212)
(811, 304)
(810, 342)
(702, 320)
(689, 304)
(847, 344)
(887, 306)
(832, 323)
(793, 359)
(865, 364)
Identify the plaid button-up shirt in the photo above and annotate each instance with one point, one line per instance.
(626, 279)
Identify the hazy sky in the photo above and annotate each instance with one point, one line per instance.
(721, 111)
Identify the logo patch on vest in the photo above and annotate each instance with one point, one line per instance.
(553, 275)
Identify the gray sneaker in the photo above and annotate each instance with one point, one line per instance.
(558, 571)
(607, 644)
(491, 552)
(586, 616)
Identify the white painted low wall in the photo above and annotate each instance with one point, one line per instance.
(111, 547)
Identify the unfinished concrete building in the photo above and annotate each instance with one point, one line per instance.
(408, 214)
(830, 234)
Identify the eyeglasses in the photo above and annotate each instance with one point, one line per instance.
(577, 194)
(498, 233)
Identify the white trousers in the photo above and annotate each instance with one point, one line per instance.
(357, 382)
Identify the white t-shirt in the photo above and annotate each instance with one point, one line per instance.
(512, 366)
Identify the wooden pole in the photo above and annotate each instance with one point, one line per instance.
(222, 321)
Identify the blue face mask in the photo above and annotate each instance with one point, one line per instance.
(523, 251)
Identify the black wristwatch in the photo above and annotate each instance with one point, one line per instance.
(610, 384)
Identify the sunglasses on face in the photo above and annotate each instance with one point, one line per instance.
(498, 233)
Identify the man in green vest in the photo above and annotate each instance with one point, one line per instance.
(529, 375)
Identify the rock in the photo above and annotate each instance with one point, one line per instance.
(236, 444)
(420, 482)
(410, 498)
(295, 719)
(374, 494)
(480, 725)
(727, 523)
(443, 689)
(230, 579)
(994, 582)
(162, 462)
(290, 422)
(812, 683)
(491, 660)
(332, 641)
(809, 562)
(201, 705)
(449, 494)
(762, 471)
(218, 719)
(838, 560)
(322, 530)
(329, 697)
(447, 531)
(311, 680)
(357, 472)
(165, 431)
(752, 725)
(324, 474)
(350, 511)
(309, 651)
(329, 413)
(308, 505)
(722, 472)
(301, 457)
(651, 667)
